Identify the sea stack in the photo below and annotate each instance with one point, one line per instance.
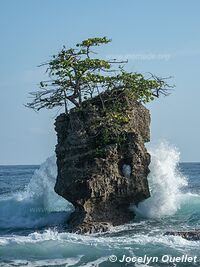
(102, 160)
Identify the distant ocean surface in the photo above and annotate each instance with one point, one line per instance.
(32, 218)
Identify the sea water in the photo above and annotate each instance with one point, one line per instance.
(33, 219)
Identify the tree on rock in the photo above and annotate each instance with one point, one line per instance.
(77, 74)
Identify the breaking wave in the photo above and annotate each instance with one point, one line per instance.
(166, 185)
(38, 205)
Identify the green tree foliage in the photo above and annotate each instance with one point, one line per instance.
(77, 74)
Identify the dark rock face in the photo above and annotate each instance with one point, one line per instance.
(101, 173)
(189, 235)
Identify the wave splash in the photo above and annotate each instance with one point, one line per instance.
(165, 182)
(38, 205)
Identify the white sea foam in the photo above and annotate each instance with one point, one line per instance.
(47, 262)
(165, 182)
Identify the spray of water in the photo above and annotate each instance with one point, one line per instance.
(165, 182)
(38, 205)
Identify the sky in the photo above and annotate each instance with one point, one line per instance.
(161, 37)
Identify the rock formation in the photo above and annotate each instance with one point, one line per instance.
(102, 161)
(189, 235)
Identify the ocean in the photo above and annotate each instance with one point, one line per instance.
(33, 231)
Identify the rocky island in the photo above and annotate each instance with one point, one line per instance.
(102, 160)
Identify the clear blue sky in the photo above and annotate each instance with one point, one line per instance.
(162, 37)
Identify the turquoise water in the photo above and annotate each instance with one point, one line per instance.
(33, 230)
